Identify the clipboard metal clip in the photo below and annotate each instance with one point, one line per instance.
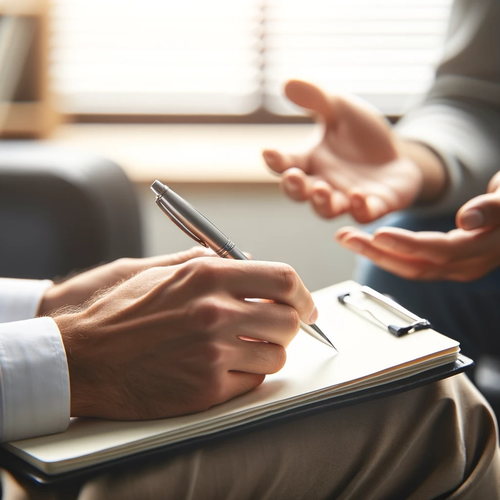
(416, 323)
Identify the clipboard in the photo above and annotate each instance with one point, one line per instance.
(39, 479)
(353, 328)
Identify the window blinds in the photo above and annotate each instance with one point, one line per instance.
(231, 57)
(157, 56)
(381, 50)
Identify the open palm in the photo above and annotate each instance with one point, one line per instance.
(356, 167)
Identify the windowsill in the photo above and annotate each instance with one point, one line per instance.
(222, 153)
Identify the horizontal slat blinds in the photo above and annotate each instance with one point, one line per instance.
(230, 57)
(157, 56)
(381, 50)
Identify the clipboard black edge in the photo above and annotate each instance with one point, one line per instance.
(25, 471)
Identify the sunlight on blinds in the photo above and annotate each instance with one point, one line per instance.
(381, 50)
(233, 56)
(157, 56)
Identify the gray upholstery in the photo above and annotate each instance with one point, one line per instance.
(63, 210)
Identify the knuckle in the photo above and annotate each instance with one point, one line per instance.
(270, 358)
(127, 263)
(213, 358)
(293, 320)
(279, 359)
(290, 279)
(199, 274)
(205, 271)
(207, 313)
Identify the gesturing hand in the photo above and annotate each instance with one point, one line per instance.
(79, 288)
(357, 167)
(463, 254)
(180, 339)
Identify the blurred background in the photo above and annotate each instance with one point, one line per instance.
(190, 92)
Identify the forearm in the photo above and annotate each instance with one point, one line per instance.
(434, 172)
(459, 120)
(462, 135)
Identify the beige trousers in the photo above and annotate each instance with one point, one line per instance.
(437, 441)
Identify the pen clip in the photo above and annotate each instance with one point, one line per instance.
(177, 222)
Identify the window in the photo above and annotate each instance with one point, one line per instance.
(231, 57)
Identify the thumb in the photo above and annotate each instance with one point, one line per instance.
(309, 96)
(481, 211)
(494, 183)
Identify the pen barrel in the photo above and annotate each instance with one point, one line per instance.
(200, 226)
(236, 254)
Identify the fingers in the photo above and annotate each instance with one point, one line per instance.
(367, 208)
(494, 183)
(481, 211)
(280, 162)
(176, 258)
(267, 321)
(458, 255)
(399, 264)
(248, 366)
(296, 184)
(253, 279)
(328, 202)
(435, 247)
(309, 96)
(259, 358)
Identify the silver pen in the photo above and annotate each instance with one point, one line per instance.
(204, 232)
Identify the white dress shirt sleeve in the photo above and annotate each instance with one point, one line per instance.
(34, 377)
(20, 299)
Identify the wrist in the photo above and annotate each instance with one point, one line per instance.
(433, 169)
(71, 328)
(52, 299)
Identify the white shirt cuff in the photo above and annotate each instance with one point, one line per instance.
(35, 391)
(20, 299)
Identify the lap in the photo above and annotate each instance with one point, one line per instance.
(417, 444)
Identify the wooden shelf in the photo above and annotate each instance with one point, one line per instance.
(30, 113)
(22, 7)
(27, 119)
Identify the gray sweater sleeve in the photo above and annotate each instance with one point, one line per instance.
(460, 115)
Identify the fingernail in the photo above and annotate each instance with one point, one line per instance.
(385, 241)
(270, 159)
(314, 316)
(472, 219)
